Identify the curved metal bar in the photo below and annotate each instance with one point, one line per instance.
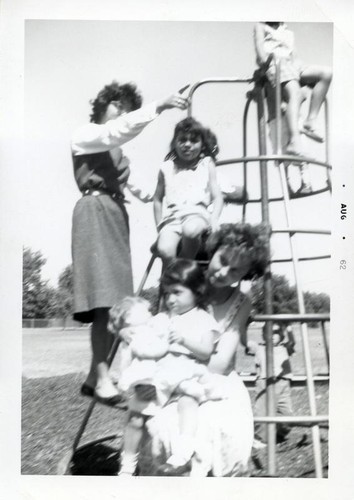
(302, 259)
(213, 80)
(281, 198)
(293, 420)
(294, 317)
(304, 231)
(280, 158)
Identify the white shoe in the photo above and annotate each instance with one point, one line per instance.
(258, 444)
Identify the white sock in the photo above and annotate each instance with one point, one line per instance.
(182, 452)
(128, 464)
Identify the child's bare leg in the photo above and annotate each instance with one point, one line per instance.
(132, 438)
(319, 78)
(293, 98)
(192, 388)
(192, 231)
(188, 420)
(167, 244)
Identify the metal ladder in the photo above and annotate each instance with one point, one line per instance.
(302, 317)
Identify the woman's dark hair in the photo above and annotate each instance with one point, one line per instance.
(197, 130)
(251, 239)
(187, 273)
(126, 93)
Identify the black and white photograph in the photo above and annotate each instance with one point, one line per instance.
(182, 203)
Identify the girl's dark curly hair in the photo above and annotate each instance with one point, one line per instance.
(252, 240)
(197, 130)
(126, 93)
(187, 273)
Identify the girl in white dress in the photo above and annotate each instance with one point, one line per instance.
(169, 353)
(186, 189)
(274, 38)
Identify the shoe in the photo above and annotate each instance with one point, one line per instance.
(258, 444)
(117, 401)
(172, 470)
(87, 390)
(305, 189)
(311, 133)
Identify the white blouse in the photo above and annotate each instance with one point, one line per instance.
(97, 138)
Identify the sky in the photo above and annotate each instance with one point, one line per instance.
(68, 62)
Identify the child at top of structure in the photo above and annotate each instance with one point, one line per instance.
(169, 353)
(274, 38)
(186, 188)
(283, 348)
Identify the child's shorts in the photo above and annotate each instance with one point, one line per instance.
(288, 71)
(175, 219)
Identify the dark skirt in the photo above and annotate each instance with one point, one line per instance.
(102, 271)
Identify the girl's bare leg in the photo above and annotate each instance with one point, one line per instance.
(319, 78)
(132, 438)
(167, 244)
(293, 97)
(192, 231)
(188, 421)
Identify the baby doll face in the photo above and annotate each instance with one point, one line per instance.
(228, 266)
(138, 314)
(188, 147)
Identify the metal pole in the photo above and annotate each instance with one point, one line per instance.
(244, 125)
(327, 139)
(146, 274)
(270, 397)
(300, 298)
(325, 343)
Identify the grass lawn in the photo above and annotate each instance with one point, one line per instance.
(52, 411)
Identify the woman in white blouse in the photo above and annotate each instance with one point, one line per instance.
(100, 232)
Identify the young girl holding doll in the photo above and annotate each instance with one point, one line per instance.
(186, 189)
(170, 358)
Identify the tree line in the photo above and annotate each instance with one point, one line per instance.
(41, 300)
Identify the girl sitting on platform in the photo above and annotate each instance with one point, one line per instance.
(187, 186)
(274, 38)
(168, 354)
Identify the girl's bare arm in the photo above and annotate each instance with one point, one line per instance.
(227, 345)
(201, 348)
(262, 56)
(158, 198)
(216, 196)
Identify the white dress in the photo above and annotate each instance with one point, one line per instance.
(224, 436)
(176, 366)
(280, 42)
(187, 192)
